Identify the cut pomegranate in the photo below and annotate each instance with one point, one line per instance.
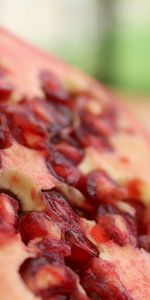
(78, 227)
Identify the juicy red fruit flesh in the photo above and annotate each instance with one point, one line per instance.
(6, 90)
(71, 152)
(25, 128)
(94, 130)
(9, 210)
(63, 283)
(82, 250)
(55, 251)
(34, 224)
(59, 210)
(61, 126)
(101, 282)
(99, 187)
(5, 135)
(62, 168)
(52, 88)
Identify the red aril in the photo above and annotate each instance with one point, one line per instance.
(102, 282)
(52, 88)
(34, 225)
(5, 135)
(9, 209)
(6, 89)
(48, 280)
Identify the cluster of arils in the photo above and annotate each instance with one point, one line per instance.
(61, 125)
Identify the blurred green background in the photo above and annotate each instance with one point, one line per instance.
(109, 39)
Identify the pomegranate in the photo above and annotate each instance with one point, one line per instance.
(74, 184)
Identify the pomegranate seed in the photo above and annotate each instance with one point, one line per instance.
(107, 208)
(52, 88)
(32, 225)
(6, 90)
(102, 282)
(25, 128)
(95, 125)
(74, 154)
(86, 139)
(9, 209)
(99, 187)
(53, 250)
(144, 242)
(58, 208)
(118, 229)
(5, 136)
(55, 117)
(7, 232)
(48, 280)
(82, 249)
(62, 168)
